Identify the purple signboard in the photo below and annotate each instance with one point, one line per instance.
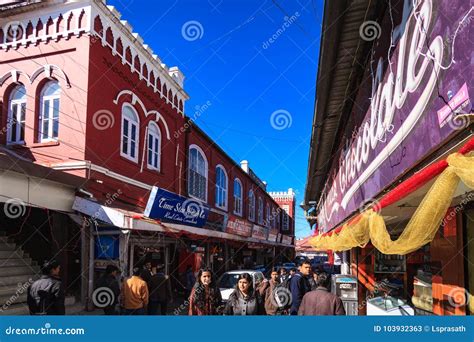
(409, 106)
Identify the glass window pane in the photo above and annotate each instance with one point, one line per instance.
(132, 148)
(55, 128)
(133, 133)
(23, 112)
(46, 109)
(56, 108)
(45, 128)
(125, 128)
(125, 145)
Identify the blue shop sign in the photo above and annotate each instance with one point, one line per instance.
(169, 207)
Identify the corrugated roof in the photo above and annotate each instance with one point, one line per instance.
(341, 62)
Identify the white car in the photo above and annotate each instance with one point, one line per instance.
(228, 281)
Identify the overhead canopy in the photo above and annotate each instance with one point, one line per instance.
(341, 64)
(130, 220)
(27, 183)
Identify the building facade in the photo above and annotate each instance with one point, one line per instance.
(393, 117)
(83, 94)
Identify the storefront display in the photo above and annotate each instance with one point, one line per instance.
(389, 263)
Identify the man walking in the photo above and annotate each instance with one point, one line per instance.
(46, 295)
(321, 302)
(135, 294)
(109, 280)
(160, 292)
(299, 285)
(271, 306)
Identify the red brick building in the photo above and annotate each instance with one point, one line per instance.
(82, 93)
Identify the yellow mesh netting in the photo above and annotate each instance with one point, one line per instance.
(423, 225)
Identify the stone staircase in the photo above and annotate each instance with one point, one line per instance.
(17, 272)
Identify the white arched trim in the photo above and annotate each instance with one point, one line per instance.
(135, 100)
(15, 75)
(49, 69)
(159, 118)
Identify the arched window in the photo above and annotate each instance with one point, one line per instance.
(197, 173)
(16, 115)
(49, 117)
(130, 133)
(154, 147)
(238, 197)
(251, 206)
(221, 187)
(260, 210)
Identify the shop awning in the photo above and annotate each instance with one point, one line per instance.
(26, 183)
(129, 220)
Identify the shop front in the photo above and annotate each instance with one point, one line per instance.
(397, 192)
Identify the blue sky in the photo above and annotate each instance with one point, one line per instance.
(255, 61)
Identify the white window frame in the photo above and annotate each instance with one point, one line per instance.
(155, 132)
(51, 99)
(260, 210)
(19, 123)
(251, 205)
(136, 123)
(238, 202)
(224, 189)
(268, 215)
(206, 172)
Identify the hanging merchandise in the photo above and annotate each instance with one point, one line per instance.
(420, 230)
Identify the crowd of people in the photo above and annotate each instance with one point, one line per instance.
(302, 291)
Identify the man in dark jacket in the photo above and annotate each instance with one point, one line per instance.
(46, 296)
(109, 280)
(299, 285)
(160, 292)
(146, 272)
(321, 302)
